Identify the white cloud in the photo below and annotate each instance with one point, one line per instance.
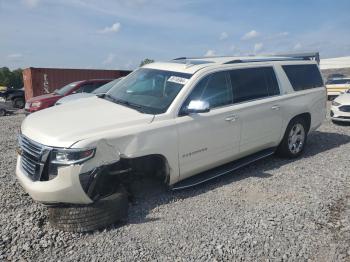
(15, 56)
(111, 29)
(233, 48)
(297, 46)
(30, 3)
(258, 47)
(210, 53)
(109, 59)
(283, 34)
(250, 35)
(223, 36)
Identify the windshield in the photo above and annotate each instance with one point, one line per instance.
(150, 91)
(105, 88)
(66, 89)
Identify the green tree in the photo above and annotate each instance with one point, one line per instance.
(11, 78)
(146, 61)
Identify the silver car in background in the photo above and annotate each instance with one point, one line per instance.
(99, 91)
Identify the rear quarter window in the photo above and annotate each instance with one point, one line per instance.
(303, 77)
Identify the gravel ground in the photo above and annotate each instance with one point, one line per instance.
(275, 209)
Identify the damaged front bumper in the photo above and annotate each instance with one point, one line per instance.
(65, 187)
(50, 176)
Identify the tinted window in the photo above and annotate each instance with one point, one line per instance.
(86, 88)
(338, 81)
(90, 87)
(214, 89)
(253, 83)
(303, 77)
(66, 89)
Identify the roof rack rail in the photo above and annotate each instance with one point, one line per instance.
(180, 58)
(199, 57)
(265, 59)
(305, 56)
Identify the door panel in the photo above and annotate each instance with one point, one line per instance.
(207, 140)
(261, 122)
(256, 92)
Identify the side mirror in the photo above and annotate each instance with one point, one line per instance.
(197, 106)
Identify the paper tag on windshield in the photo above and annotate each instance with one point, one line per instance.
(178, 80)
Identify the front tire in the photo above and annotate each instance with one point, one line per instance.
(294, 139)
(85, 218)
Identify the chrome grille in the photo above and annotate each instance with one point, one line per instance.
(29, 147)
(33, 158)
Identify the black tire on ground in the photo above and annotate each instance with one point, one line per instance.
(18, 102)
(85, 218)
(2, 112)
(283, 149)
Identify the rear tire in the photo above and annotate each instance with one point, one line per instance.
(294, 139)
(85, 218)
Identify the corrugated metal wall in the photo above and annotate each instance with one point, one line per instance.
(39, 81)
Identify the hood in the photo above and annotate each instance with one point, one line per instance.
(73, 97)
(343, 99)
(62, 126)
(44, 97)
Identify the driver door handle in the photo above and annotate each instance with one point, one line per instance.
(275, 107)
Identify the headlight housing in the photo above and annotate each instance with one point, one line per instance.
(335, 103)
(36, 104)
(71, 156)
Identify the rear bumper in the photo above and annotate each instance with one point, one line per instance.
(64, 188)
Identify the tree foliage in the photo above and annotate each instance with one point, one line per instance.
(146, 61)
(10, 78)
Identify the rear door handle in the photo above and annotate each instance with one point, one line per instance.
(275, 107)
(231, 118)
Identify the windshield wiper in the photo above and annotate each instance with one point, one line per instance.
(124, 103)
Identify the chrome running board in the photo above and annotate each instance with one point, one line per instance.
(222, 170)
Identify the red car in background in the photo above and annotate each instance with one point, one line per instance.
(44, 101)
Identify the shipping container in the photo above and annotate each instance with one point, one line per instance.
(39, 81)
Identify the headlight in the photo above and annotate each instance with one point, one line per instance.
(335, 103)
(36, 104)
(71, 156)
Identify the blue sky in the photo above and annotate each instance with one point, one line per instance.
(120, 33)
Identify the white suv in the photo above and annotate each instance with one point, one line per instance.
(184, 121)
